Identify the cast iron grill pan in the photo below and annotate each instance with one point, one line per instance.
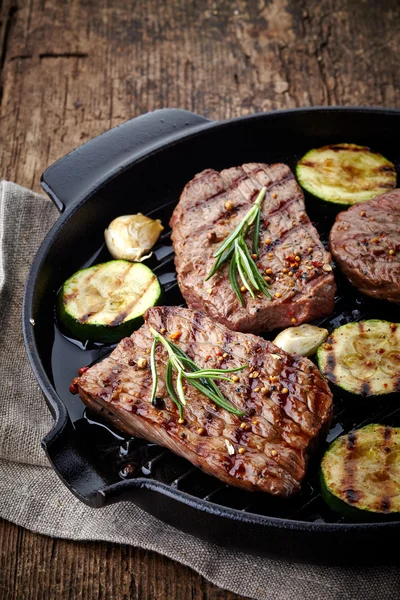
(113, 461)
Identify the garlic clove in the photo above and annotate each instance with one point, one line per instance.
(131, 237)
(303, 340)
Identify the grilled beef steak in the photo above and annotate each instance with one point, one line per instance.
(365, 241)
(286, 400)
(302, 290)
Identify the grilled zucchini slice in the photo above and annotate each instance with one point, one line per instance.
(363, 358)
(105, 303)
(345, 173)
(360, 472)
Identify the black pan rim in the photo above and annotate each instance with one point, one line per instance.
(57, 406)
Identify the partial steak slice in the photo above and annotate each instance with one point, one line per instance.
(365, 241)
(302, 290)
(287, 401)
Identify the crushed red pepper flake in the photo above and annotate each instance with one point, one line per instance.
(176, 335)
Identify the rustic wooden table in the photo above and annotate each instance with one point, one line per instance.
(72, 69)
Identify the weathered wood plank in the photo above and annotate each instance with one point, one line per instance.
(35, 567)
(73, 69)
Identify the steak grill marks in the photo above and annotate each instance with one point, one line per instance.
(352, 495)
(291, 256)
(271, 443)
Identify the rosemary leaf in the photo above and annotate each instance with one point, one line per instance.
(206, 382)
(179, 388)
(153, 368)
(201, 374)
(263, 286)
(251, 215)
(222, 402)
(170, 388)
(231, 238)
(217, 372)
(241, 270)
(246, 251)
(233, 280)
(218, 263)
(167, 345)
(184, 356)
(209, 384)
(256, 232)
(247, 265)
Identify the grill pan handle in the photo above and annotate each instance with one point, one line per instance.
(83, 170)
(62, 446)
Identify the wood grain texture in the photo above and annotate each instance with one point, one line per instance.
(72, 69)
(35, 567)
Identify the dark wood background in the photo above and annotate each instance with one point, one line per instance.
(72, 69)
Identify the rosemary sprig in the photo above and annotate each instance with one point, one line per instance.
(193, 367)
(207, 383)
(201, 379)
(170, 386)
(242, 264)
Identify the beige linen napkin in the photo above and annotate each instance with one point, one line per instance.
(31, 494)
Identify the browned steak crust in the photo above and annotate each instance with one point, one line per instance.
(200, 222)
(285, 398)
(365, 242)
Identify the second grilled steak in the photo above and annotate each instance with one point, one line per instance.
(291, 254)
(285, 399)
(365, 241)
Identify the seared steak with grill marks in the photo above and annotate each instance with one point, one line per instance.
(365, 241)
(302, 290)
(286, 400)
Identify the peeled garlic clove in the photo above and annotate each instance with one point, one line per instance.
(131, 237)
(303, 340)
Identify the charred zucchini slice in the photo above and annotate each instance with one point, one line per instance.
(105, 303)
(363, 358)
(345, 173)
(360, 472)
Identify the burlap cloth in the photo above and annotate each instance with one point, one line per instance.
(31, 495)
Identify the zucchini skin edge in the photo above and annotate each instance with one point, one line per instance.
(106, 334)
(351, 512)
